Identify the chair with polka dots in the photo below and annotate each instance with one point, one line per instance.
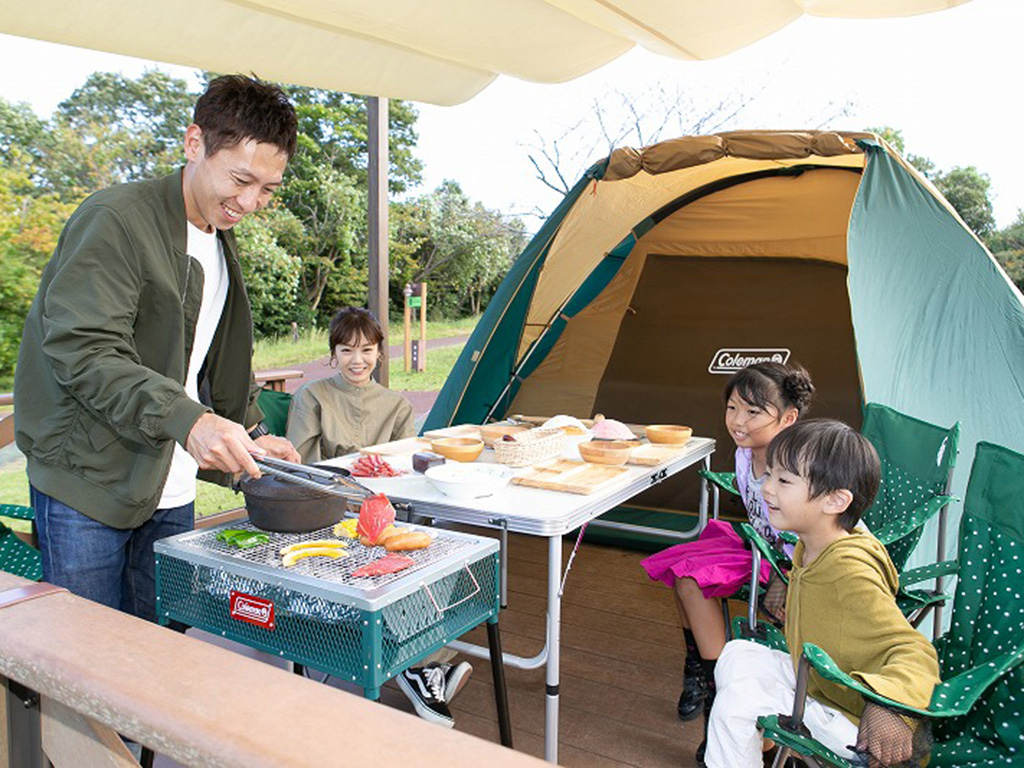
(16, 556)
(977, 711)
(918, 459)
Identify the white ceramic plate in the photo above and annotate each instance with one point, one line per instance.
(469, 481)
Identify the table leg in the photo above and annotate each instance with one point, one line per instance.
(553, 647)
(503, 558)
(703, 515)
(500, 689)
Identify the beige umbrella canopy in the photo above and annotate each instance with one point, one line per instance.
(439, 51)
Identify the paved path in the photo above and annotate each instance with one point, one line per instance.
(421, 401)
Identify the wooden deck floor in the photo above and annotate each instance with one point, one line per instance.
(621, 664)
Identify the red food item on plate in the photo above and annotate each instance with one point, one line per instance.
(375, 515)
(386, 564)
(373, 466)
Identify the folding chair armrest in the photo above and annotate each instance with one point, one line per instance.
(828, 669)
(724, 480)
(17, 511)
(956, 696)
(927, 572)
(951, 698)
(913, 520)
(778, 562)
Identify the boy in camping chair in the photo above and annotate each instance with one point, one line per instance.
(821, 476)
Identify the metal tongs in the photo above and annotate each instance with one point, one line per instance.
(336, 480)
(331, 480)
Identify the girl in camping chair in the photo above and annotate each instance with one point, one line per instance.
(760, 401)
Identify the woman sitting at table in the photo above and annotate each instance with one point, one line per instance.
(343, 413)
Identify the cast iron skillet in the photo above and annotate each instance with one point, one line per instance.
(295, 498)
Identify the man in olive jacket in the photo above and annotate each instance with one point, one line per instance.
(135, 368)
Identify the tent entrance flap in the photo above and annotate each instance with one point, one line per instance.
(692, 321)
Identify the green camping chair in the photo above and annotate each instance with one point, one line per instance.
(978, 709)
(918, 459)
(16, 556)
(275, 410)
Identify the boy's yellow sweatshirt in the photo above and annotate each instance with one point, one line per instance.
(845, 603)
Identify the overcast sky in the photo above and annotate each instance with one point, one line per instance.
(950, 81)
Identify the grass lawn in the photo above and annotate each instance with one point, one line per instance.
(312, 344)
(439, 365)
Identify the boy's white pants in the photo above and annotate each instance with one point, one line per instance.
(753, 680)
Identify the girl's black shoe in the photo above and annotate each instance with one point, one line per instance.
(691, 700)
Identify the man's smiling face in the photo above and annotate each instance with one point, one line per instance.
(233, 182)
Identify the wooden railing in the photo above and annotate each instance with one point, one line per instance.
(99, 673)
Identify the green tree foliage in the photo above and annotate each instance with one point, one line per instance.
(967, 190)
(1008, 246)
(272, 275)
(29, 228)
(302, 257)
(460, 248)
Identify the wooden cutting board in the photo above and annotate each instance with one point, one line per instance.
(651, 454)
(462, 430)
(570, 476)
(397, 447)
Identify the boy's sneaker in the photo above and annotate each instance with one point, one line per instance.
(455, 678)
(425, 688)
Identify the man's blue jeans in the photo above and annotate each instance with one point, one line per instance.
(107, 565)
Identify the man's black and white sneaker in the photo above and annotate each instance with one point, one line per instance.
(425, 688)
(455, 678)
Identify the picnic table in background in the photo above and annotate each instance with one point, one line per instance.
(274, 379)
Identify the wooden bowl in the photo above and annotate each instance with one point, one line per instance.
(612, 452)
(491, 432)
(458, 448)
(670, 434)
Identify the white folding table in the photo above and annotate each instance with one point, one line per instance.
(537, 512)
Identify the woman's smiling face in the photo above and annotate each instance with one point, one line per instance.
(356, 360)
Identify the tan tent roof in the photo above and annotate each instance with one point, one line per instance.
(440, 51)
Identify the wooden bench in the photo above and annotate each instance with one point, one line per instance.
(275, 379)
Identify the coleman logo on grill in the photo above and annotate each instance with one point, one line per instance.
(729, 361)
(255, 610)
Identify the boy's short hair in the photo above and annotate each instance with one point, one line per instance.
(831, 456)
(235, 108)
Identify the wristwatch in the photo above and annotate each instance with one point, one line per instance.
(259, 431)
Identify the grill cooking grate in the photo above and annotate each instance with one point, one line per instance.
(336, 570)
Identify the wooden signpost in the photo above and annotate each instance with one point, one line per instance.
(415, 349)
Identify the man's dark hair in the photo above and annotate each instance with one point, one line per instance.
(831, 456)
(236, 108)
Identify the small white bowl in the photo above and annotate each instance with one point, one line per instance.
(469, 481)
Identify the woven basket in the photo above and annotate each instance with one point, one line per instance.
(530, 447)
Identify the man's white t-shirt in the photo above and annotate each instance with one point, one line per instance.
(204, 247)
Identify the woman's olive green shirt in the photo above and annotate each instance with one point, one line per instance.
(332, 417)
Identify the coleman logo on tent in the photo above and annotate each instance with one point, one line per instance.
(731, 360)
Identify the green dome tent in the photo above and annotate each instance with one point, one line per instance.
(665, 269)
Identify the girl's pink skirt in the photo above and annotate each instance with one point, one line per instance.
(718, 561)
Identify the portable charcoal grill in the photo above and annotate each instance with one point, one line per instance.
(364, 630)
